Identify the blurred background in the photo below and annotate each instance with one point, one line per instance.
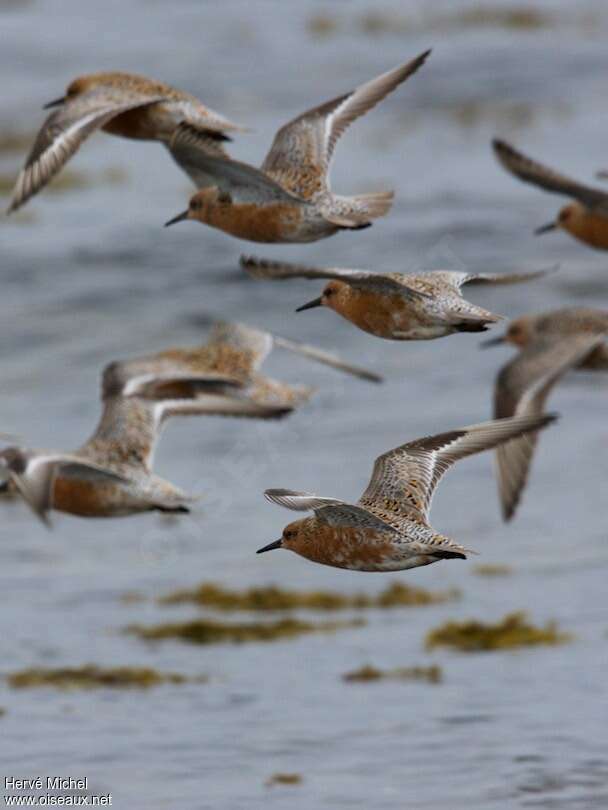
(89, 275)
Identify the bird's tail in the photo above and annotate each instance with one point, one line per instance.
(359, 211)
(373, 205)
(476, 319)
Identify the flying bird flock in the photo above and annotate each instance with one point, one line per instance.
(288, 199)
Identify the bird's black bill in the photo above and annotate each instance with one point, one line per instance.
(310, 305)
(496, 341)
(178, 218)
(55, 103)
(550, 226)
(270, 546)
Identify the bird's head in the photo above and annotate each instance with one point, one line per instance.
(332, 296)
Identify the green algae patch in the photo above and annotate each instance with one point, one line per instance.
(13, 141)
(512, 632)
(284, 779)
(378, 22)
(400, 595)
(271, 597)
(514, 18)
(384, 22)
(91, 676)
(493, 570)
(71, 180)
(67, 180)
(431, 674)
(321, 26)
(204, 631)
(21, 217)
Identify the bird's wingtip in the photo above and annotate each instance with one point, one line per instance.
(501, 147)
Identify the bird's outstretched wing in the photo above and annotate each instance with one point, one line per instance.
(258, 344)
(207, 167)
(64, 131)
(329, 510)
(522, 387)
(186, 145)
(301, 152)
(363, 279)
(255, 343)
(530, 171)
(404, 479)
(327, 359)
(458, 279)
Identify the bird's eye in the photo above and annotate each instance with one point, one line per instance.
(329, 292)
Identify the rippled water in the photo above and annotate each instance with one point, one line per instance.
(91, 275)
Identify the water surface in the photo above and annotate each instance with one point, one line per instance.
(91, 276)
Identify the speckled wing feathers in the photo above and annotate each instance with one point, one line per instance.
(329, 510)
(298, 501)
(538, 175)
(404, 479)
(503, 278)
(522, 387)
(277, 270)
(254, 341)
(302, 149)
(364, 279)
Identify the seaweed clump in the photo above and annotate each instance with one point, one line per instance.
(68, 180)
(206, 631)
(400, 595)
(511, 632)
(431, 674)
(91, 676)
(322, 25)
(493, 570)
(383, 22)
(284, 779)
(516, 18)
(271, 597)
(71, 180)
(12, 140)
